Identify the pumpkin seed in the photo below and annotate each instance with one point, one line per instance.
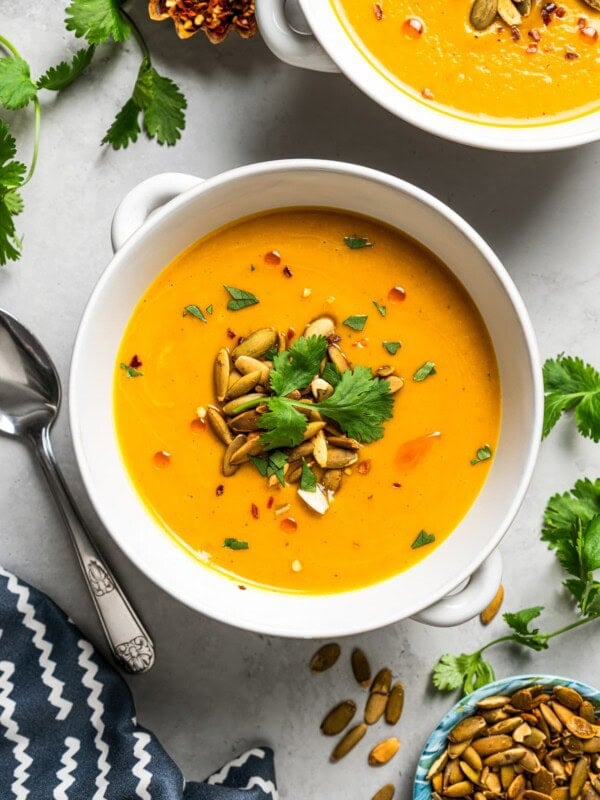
(228, 468)
(361, 669)
(467, 728)
(595, 4)
(395, 382)
(245, 422)
(460, 789)
(325, 657)
(338, 718)
(509, 13)
(488, 614)
(483, 13)
(579, 777)
(384, 751)
(349, 741)
(568, 697)
(322, 326)
(488, 745)
(338, 458)
(492, 702)
(338, 357)
(320, 389)
(382, 681)
(384, 371)
(375, 707)
(531, 794)
(222, 370)
(332, 481)
(252, 447)
(320, 448)
(395, 704)
(543, 781)
(247, 364)
(243, 385)
(511, 756)
(312, 429)
(516, 788)
(243, 403)
(524, 7)
(586, 710)
(218, 425)
(385, 793)
(472, 757)
(345, 442)
(255, 344)
(437, 765)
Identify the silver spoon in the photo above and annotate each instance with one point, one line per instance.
(29, 401)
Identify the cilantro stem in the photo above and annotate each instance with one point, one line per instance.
(9, 46)
(138, 36)
(545, 636)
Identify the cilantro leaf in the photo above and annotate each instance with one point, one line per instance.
(194, 311)
(357, 242)
(131, 372)
(271, 464)
(62, 75)
(331, 374)
(392, 347)
(284, 425)
(162, 103)
(382, 309)
(296, 367)
(16, 87)
(360, 404)
(97, 20)
(12, 175)
(483, 454)
(125, 127)
(519, 621)
(235, 544)
(425, 371)
(308, 479)
(466, 671)
(357, 322)
(570, 383)
(422, 539)
(240, 298)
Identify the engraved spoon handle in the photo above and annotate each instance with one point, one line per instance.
(127, 638)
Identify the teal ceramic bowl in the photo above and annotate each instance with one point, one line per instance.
(468, 705)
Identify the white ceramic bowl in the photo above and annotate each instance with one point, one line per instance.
(146, 244)
(330, 49)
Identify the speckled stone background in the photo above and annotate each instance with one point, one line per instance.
(216, 690)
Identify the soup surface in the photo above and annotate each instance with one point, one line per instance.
(548, 66)
(414, 481)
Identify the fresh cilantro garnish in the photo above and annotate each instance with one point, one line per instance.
(209, 309)
(194, 311)
(422, 539)
(356, 322)
(235, 544)
(382, 309)
(357, 242)
(240, 298)
(271, 464)
(125, 127)
(284, 426)
(570, 383)
(331, 374)
(62, 75)
(131, 372)
(466, 671)
(308, 479)
(12, 176)
(425, 371)
(392, 347)
(16, 87)
(295, 368)
(483, 454)
(97, 20)
(519, 621)
(271, 353)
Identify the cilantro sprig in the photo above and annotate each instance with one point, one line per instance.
(360, 403)
(571, 384)
(572, 530)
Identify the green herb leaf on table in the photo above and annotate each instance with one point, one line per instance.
(240, 299)
(125, 127)
(283, 424)
(483, 454)
(97, 20)
(131, 372)
(308, 479)
(271, 464)
(194, 311)
(62, 75)
(468, 671)
(423, 539)
(570, 383)
(235, 544)
(16, 87)
(357, 242)
(162, 104)
(382, 309)
(519, 621)
(425, 371)
(296, 367)
(356, 322)
(12, 175)
(392, 347)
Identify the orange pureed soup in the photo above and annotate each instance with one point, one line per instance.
(418, 478)
(546, 67)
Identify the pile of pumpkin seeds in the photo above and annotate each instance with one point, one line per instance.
(485, 12)
(242, 383)
(384, 701)
(537, 744)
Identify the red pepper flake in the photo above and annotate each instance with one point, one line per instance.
(515, 33)
(270, 502)
(561, 12)
(231, 334)
(427, 94)
(219, 490)
(535, 35)
(571, 55)
(397, 485)
(273, 257)
(364, 467)
(413, 27)
(162, 459)
(582, 22)
(287, 272)
(531, 48)
(291, 332)
(547, 11)
(589, 32)
(378, 11)
(254, 511)
(243, 588)
(396, 294)
(288, 525)
(135, 362)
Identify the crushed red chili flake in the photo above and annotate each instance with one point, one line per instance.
(535, 35)
(547, 11)
(581, 22)
(378, 11)
(219, 490)
(270, 502)
(243, 588)
(413, 27)
(273, 257)
(531, 48)
(427, 94)
(571, 56)
(290, 333)
(289, 525)
(561, 12)
(396, 294)
(397, 485)
(515, 33)
(231, 334)
(364, 467)
(589, 32)
(254, 511)
(287, 272)
(135, 362)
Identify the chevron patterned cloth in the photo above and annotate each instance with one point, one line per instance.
(67, 720)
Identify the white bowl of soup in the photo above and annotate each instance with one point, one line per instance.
(498, 74)
(432, 422)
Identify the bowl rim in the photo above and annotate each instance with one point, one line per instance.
(484, 135)
(384, 616)
(466, 706)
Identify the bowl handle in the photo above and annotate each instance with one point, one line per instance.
(297, 49)
(143, 200)
(454, 609)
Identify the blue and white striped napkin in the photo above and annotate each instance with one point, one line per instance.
(67, 721)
